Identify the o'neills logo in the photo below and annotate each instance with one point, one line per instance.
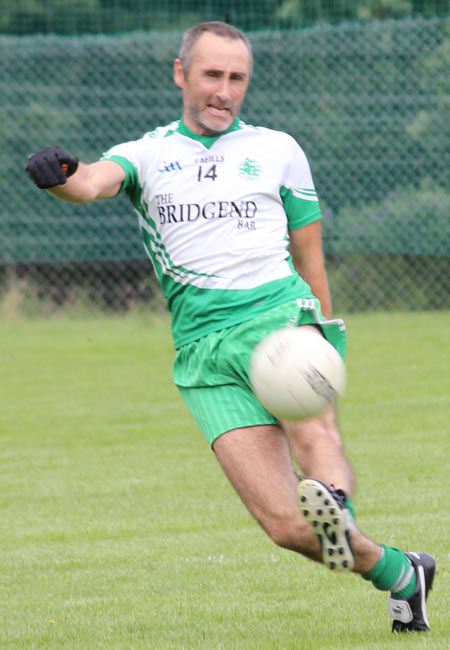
(187, 212)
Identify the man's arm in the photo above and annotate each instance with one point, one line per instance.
(65, 177)
(309, 261)
(99, 180)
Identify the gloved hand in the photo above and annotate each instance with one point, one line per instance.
(51, 166)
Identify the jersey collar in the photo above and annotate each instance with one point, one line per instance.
(207, 140)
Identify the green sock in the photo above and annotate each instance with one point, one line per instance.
(350, 507)
(393, 572)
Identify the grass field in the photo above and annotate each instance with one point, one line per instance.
(119, 531)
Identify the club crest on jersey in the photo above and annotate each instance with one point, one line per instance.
(250, 169)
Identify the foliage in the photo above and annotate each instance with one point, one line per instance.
(409, 221)
(105, 16)
(394, 254)
(362, 282)
(430, 127)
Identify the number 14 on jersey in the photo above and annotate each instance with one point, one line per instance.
(206, 173)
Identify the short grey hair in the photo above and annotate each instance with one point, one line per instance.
(191, 36)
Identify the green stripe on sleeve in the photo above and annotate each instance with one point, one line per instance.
(300, 211)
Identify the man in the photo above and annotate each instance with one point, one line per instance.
(218, 201)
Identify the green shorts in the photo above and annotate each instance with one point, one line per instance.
(212, 373)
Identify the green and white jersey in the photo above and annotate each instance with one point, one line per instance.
(214, 213)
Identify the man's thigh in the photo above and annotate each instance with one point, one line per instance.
(258, 464)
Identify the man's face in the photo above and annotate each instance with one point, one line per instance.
(214, 87)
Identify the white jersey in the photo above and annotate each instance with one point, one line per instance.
(214, 213)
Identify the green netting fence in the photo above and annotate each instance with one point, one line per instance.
(369, 101)
(113, 16)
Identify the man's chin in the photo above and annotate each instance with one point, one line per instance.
(218, 126)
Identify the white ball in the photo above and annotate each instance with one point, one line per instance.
(296, 373)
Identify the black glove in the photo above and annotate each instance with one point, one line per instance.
(51, 166)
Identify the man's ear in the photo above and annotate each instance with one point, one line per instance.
(178, 73)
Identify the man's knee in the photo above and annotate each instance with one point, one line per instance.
(319, 433)
(292, 533)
